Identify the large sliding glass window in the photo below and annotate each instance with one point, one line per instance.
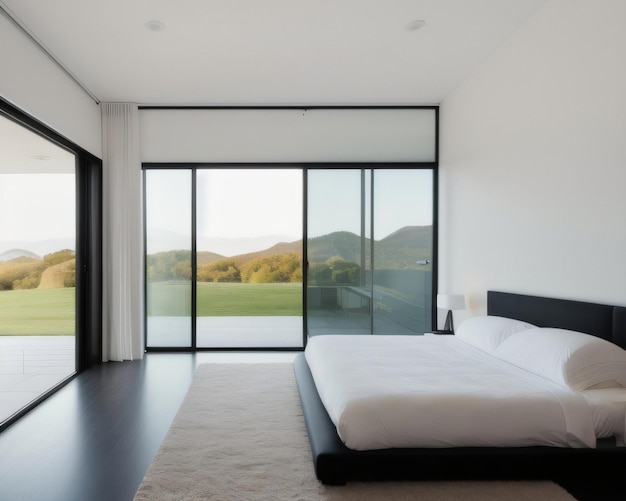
(37, 266)
(370, 251)
(224, 258)
(224, 254)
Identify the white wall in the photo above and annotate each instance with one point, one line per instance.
(33, 83)
(533, 162)
(288, 135)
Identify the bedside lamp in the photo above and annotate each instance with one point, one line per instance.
(450, 302)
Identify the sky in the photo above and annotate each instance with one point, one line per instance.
(254, 203)
(37, 192)
(232, 204)
(36, 207)
(249, 203)
(402, 198)
(243, 206)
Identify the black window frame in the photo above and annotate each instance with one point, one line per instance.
(88, 331)
(304, 167)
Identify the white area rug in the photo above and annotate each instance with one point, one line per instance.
(240, 435)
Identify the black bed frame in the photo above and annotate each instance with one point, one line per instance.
(335, 464)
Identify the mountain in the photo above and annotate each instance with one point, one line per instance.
(399, 250)
(11, 254)
(402, 246)
(343, 244)
(165, 240)
(420, 237)
(279, 248)
(232, 247)
(208, 257)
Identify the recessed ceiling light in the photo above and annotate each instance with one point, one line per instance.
(155, 25)
(418, 24)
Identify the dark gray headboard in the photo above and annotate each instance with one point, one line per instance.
(601, 320)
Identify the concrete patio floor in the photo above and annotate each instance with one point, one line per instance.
(31, 365)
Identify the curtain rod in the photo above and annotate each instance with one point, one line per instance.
(18, 22)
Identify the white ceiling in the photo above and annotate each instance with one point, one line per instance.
(271, 52)
(24, 152)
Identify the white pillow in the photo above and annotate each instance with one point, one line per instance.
(569, 358)
(488, 332)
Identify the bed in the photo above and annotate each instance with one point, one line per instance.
(571, 452)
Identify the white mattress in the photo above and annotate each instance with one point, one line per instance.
(438, 391)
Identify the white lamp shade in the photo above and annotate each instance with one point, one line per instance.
(451, 301)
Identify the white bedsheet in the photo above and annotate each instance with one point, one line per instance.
(438, 391)
(608, 412)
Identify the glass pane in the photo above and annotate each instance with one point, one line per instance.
(363, 285)
(249, 258)
(402, 251)
(338, 287)
(37, 266)
(168, 260)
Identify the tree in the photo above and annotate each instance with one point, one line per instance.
(182, 270)
(321, 274)
(58, 257)
(221, 271)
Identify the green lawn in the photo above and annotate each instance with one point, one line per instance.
(37, 312)
(50, 312)
(225, 299)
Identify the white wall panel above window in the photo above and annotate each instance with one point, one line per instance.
(30, 80)
(289, 135)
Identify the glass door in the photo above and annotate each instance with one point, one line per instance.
(37, 266)
(249, 258)
(223, 258)
(402, 250)
(168, 257)
(339, 285)
(369, 251)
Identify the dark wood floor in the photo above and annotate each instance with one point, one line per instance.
(95, 438)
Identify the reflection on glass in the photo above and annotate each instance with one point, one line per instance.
(402, 251)
(37, 266)
(338, 286)
(249, 258)
(168, 257)
(363, 285)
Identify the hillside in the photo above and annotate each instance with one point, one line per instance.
(20, 273)
(338, 252)
(208, 257)
(342, 244)
(279, 248)
(25, 272)
(59, 275)
(420, 237)
(399, 250)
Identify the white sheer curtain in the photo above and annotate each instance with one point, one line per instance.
(122, 234)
